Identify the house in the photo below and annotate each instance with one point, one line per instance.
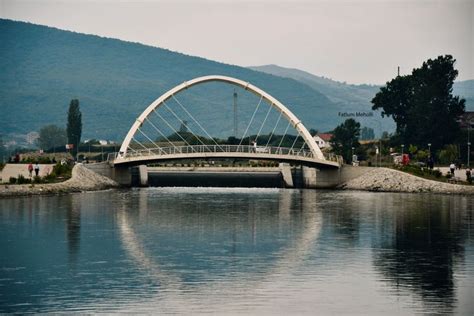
(323, 140)
(466, 120)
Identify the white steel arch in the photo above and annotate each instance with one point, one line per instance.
(295, 122)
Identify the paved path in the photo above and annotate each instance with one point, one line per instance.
(458, 173)
(13, 170)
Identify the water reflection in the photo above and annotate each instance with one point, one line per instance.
(233, 251)
(423, 246)
(73, 227)
(269, 236)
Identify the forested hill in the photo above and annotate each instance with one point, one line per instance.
(43, 68)
(350, 95)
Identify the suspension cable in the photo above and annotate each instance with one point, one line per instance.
(301, 149)
(251, 120)
(264, 120)
(192, 117)
(148, 138)
(174, 130)
(163, 135)
(182, 122)
(294, 142)
(284, 134)
(273, 131)
(140, 143)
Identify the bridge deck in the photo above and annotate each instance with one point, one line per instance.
(135, 157)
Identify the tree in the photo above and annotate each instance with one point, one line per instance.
(74, 125)
(367, 133)
(51, 136)
(3, 150)
(345, 136)
(422, 104)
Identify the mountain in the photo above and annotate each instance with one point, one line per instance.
(43, 68)
(349, 96)
(465, 89)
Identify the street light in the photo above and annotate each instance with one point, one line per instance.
(403, 146)
(429, 149)
(352, 157)
(468, 154)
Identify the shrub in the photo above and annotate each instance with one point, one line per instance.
(22, 180)
(12, 180)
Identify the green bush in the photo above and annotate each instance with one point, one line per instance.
(22, 180)
(12, 180)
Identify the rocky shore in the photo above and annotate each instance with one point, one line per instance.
(82, 179)
(389, 180)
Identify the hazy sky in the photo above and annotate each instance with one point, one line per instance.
(348, 40)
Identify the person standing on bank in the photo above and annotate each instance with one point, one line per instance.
(469, 175)
(452, 167)
(30, 169)
(37, 169)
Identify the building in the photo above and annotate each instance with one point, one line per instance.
(466, 120)
(323, 140)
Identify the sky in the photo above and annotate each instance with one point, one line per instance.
(354, 41)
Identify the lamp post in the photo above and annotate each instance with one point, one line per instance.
(468, 154)
(352, 156)
(403, 146)
(429, 149)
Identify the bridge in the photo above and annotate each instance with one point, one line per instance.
(136, 151)
(167, 130)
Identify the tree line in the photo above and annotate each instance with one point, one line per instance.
(423, 108)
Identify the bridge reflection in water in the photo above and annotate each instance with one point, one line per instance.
(183, 250)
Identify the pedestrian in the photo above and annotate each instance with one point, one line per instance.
(469, 175)
(430, 163)
(452, 167)
(30, 169)
(37, 169)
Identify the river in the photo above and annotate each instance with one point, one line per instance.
(237, 251)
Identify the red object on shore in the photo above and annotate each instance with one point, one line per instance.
(405, 159)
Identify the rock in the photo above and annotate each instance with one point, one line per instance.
(82, 179)
(390, 180)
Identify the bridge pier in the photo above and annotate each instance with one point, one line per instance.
(139, 176)
(306, 177)
(286, 174)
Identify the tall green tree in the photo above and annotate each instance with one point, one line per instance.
(3, 150)
(367, 133)
(422, 104)
(74, 125)
(346, 136)
(51, 136)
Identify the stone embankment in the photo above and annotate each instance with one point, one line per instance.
(82, 179)
(389, 180)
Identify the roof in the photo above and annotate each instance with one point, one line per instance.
(325, 136)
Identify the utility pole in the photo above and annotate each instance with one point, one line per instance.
(235, 115)
(398, 71)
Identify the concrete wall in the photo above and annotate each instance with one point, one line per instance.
(330, 178)
(102, 168)
(285, 170)
(350, 172)
(312, 177)
(121, 175)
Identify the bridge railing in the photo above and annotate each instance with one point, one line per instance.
(196, 149)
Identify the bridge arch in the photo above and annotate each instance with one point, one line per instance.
(295, 122)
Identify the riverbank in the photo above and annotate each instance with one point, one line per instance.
(82, 179)
(390, 180)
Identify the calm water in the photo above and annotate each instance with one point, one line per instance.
(257, 251)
